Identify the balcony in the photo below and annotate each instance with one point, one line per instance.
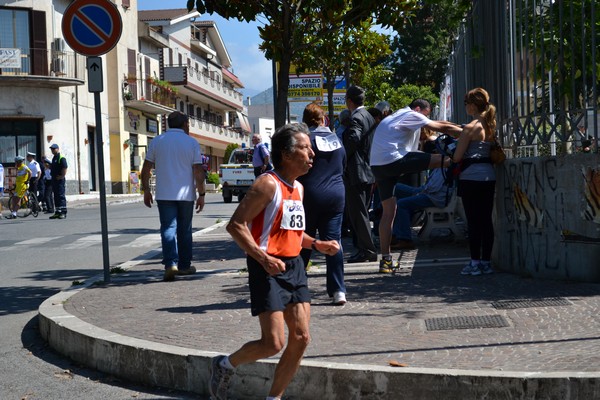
(218, 134)
(41, 68)
(202, 82)
(149, 95)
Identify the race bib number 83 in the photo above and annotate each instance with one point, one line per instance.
(293, 215)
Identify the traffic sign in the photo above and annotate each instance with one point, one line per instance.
(92, 27)
(94, 68)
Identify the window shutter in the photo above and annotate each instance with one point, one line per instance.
(131, 71)
(148, 75)
(39, 46)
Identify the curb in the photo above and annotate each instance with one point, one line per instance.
(180, 368)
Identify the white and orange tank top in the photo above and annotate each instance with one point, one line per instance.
(279, 228)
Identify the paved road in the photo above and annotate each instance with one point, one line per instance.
(40, 257)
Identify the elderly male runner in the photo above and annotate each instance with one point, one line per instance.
(269, 226)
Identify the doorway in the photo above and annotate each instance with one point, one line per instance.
(93, 164)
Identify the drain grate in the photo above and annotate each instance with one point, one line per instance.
(474, 322)
(526, 303)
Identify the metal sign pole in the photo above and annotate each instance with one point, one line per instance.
(93, 28)
(103, 216)
(96, 85)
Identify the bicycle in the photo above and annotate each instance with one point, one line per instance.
(29, 203)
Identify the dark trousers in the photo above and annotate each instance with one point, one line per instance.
(33, 187)
(60, 200)
(41, 190)
(328, 223)
(358, 199)
(48, 195)
(478, 202)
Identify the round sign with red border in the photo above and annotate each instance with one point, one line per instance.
(92, 27)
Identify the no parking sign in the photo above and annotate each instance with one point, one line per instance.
(92, 27)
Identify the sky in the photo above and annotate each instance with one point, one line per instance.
(241, 40)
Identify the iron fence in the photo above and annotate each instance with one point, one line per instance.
(538, 59)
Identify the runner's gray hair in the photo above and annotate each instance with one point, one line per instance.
(284, 140)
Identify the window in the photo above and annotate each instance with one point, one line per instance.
(25, 30)
(17, 137)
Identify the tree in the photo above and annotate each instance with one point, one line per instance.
(228, 150)
(337, 54)
(560, 36)
(424, 43)
(376, 83)
(288, 21)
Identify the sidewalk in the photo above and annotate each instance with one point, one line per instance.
(454, 337)
(83, 200)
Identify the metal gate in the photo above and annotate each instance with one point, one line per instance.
(538, 59)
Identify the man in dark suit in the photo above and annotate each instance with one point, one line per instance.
(358, 178)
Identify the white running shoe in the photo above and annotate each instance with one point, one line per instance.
(339, 298)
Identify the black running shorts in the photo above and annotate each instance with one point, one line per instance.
(274, 293)
(387, 175)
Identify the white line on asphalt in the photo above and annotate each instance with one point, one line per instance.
(88, 241)
(149, 240)
(40, 240)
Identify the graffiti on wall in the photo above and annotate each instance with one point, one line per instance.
(543, 206)
(591, 192)
(525, 209)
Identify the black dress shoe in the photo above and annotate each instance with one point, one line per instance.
(362, 257)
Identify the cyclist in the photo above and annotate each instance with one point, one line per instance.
(23, 176)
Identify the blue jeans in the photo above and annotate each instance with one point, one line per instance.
(329, 226)
(405, 207)
(176, 232)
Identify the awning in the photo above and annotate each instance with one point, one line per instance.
(149, 107)
(242, 122)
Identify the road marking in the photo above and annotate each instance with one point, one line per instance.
(148, 240)
(40, 240)
(87, 241)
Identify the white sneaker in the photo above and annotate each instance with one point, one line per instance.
(471, 269)
(339, 298)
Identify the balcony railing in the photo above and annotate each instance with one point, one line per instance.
(43, 64)
(204, 80)
(149, 90)
(213, 131)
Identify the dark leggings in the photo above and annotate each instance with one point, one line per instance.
(478, 201)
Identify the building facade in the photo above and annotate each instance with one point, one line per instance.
(198, 66)
(159, 65)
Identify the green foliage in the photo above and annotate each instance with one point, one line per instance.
(213, 177)
(424, 43)
(289, 22)
(228, 150)
(324, 53)
(562, 42)
(376, 83)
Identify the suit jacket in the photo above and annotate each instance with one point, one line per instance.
(357, 142)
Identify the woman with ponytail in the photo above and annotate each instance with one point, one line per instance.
(477, 180)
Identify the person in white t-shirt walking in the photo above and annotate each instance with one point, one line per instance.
(394, 152)
(176, 159)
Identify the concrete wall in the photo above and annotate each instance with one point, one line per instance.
(548, 217)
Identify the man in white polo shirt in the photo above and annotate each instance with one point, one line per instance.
(176, 159)
(394, 152)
